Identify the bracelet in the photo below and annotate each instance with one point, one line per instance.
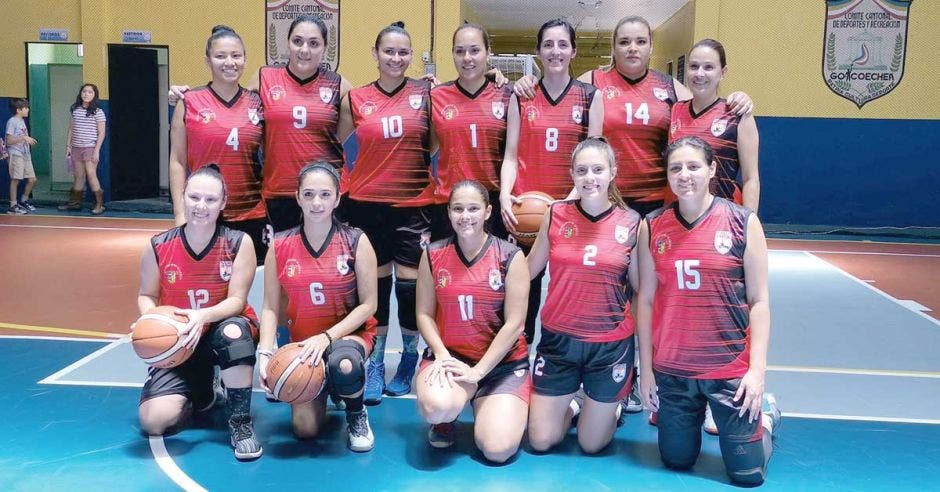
(266, 352)
(328, 337)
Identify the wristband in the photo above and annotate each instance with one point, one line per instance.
(328, 337)
(265, 352)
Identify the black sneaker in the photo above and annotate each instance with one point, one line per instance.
(27, 205)
(16, 209)
(247, 446)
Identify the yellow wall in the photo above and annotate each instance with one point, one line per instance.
(673, 38)
(22, 21)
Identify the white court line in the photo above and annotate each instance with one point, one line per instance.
(121, 229)
(55, 339)
(166, 463)
(856, 372)
(920, 255)
(873, 289)
(84, 360)
(861, 418)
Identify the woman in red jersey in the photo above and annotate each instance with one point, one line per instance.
(472, 290)
(222, 123)
(205, 269)
(327, 272)
(392, 126)
(590, 242)
(733, 137)
(704, 320)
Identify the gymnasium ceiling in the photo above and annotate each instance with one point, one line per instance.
(584, 14)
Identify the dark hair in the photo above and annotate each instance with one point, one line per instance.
(693, 142)
(18, 103)
(313, 19)
(471, 25)
(631, 19)
(92, 106)
(222, 31)
(715, 45)
(322, 166)
(473, 184)
(394, 27)
(212, 170)
(555, 23)
(600, 144)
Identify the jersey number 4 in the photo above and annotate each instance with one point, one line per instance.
(687, 274)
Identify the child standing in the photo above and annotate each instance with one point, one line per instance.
(21, 163)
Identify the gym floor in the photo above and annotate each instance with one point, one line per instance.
(852, 362)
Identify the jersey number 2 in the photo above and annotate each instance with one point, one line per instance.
(590, 251)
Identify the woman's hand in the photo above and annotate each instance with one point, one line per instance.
(740, 103)
(176, 94)
(752, 390)
(506, 202)
(437, 375)
(195, 325)
(524, 88)
(497, 77)
(648, 391)
(264, 358)
(461, 372)
(314, 347)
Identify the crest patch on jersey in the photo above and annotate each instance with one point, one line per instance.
(576, 113)
(414, 100)
(622, 234)
(206, 116)
(450, 112)
(663, 243)
(660, 93)
(292, 268)
(611, 92)
(619, 372)
(253, 116)
(519, 373)
(569, 230)
(342, 264)
(326, 94)
(499, 109)
(496, 279)
(368, 108)
(531, 113)
(723, 241)
(277, 92)
(443, 278)
(225, 270)
(172, 273)
(719, 127)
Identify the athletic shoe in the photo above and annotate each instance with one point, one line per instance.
(16, 210)
(247, 446)
(770, 414)
(338, 402)
(442, 436)
(359, 433)
(709, 426)
(577, 402)
(621, 414)
(27, 205)
(375, 382)
(401, 383)
(633, 403)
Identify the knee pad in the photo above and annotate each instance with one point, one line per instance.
(405, 294)
(385, 300)
(232, 343)
(745, 462)
(351, 383)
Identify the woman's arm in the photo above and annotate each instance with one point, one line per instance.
(102, 128)
(758, 300)
(682, 92)
(344, 127)
(644, 317)
(178, 162)
(68, 137)
(596, 116)
(538, 255)
(426, 306)
(510, 167)
(267, 340)
(748, 143)
(149, 293)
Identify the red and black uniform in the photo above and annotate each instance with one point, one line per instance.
(301, 117)
(470, 297)
(590, 342)
(229, 133)
(718, 126)
(636, 123)
(321, 284)
(549, 130)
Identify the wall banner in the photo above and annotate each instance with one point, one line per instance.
(280, 13)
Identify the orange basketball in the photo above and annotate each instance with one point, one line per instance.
(291, 381)
(529, 213)
(157, 340)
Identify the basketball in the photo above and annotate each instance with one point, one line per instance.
(157, 340)
(529, 212)
(291, 381)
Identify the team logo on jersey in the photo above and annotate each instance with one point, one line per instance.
(622, 234)
(368, 108)
(414, 100)
(723, 241)
(253, 116)
(660, 93)
(531, 113)
(499, 109)
(206, 116)
(225, 270)
(292, 268)
(519, 373)
(326, 94)
(619, 372)
(449, 112)
(277, 92)
(663, 243)
(496, 279)
(576, 113)
(569, 230)
(443, 278)
(719, 127)
(172, 273)
(611, 92)
(342, 264)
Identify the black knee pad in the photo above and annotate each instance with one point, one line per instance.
(385, 300)
(346, 384)
(405, 294)
(745, 462)
(229, 351)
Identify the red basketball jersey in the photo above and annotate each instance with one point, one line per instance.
(191, 280)
(320, 284)
(718, 126)
(549, 130)
(228, 133)
(471, 130)
(700, 312)
(636, 123)
(589, 291)
(470, 296)
(392, 129)
(300, 126)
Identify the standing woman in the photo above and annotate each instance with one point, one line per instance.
(392, 126)
(84, 138)
(733, 137)
(542, 133)
(472, 290)
(205, 270)
(704, 320)
(222, 123)
(590, 242)
(327, 271)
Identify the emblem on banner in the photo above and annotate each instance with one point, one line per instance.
(326, 94)
(499, 109)
(723, 241)
(414, 100)
(864, 47)
(278, 16)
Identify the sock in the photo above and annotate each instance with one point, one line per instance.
(409, 343)
(239, 401)
(378, 350)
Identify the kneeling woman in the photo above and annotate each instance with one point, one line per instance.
(704, 320)
(205, 270)
(472, 291)
(327, 271)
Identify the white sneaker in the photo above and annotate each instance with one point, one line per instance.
(709, 426)
(359, 433)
